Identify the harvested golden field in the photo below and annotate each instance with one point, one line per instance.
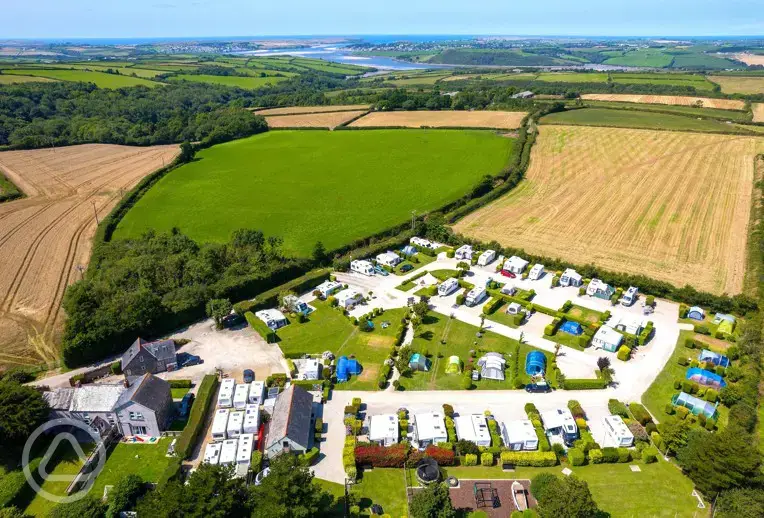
(670, 205)
(292, 110)
(312, 120)
(739, 84)
(722, 104)
(46, 237)
(750, 59)
(758, 112)
(442, 119)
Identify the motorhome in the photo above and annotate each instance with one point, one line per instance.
(630, 297)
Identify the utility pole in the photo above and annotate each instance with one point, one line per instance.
(95, 212)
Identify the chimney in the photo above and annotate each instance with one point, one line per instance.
(126, 382)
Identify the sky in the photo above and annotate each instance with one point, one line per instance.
(220, 18)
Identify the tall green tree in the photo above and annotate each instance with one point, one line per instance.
(88, 507)
(289, 492)
(22, 409)
(432, 502)
(567, 497)
(319, 253)
(674, 434)
(124, 495)
(217, 309)
(740, 503)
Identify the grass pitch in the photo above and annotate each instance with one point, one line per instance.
(669, 205)
(307, 186)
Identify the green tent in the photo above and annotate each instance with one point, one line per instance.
(726, 327)
(454, 365)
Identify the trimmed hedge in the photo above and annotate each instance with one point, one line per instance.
(180, 383)
(199, 410)
(624, 353)
(492, 305)
(309, 456)
(617, 408)
(270, 298)
(584, 384)
(640, 413)
(268, 334)
(576, 457)
(529, 458)
(470, 459)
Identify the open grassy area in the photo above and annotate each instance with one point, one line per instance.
(329, 330)
(307, 186)
(248, 83)
(102, 80)
(148, 461)
(590, 315)
(8, 79)
(638, 119)
(417, 261)
(459, 339)
(381, 486)
(740, 85)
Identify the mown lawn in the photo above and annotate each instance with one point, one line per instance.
(381, 486)
(417, 261)
(145, 460)
(639, 119)
(65, 462)
(178, 393)
(308, 186)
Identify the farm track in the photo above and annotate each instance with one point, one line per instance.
(43, 237)
(673, 206)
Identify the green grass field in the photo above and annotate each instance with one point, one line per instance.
(248, 83)
(8, 79)
(100, 79)
(307, 186)
(640, 58)
(573, 77)
(639, 119)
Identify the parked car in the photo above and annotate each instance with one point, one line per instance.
(249, 375)
(233, 319)
(538, 387)
(505, 273)
(260, 476)
(187, 360)
(407, 268)
(185, 404)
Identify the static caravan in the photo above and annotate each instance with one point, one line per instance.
(384, 429)
(599, 289)
(310, 369)
(225, 395)
(348, 298)
(429, 429)
(570, 277)
(463, 253)
(327, 288)
(520, 435)
(244, 453)
(473, 428)
(220, 425)
(256, 393)
(607, 338)
(273, 318)
(228, 452)
(486, 258)
(235, 424)
(515, 265)
(631, 296)
(475, 296)
(362, 266)
(389, 258)
(617, 434)
(212, 453)
(630, 324)
(536, 272)
(448, 286)
(251, 419)
(240, 396)
(560, 422)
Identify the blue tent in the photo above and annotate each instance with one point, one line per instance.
(535, 363)
(695, 405)
(419, 362)
(712, 357)
(707, 378)
(346, 368)
(572, 328)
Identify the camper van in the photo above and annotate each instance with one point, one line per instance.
(225, 396)
(536, 272)
(630, 297)
(361, 266)
(220, 425)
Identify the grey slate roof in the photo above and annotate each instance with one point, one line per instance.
(59, 399)
(291, 417)
(96, 398)
(161, 350)
(147, 390)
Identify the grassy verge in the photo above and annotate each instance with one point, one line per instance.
(8, 190)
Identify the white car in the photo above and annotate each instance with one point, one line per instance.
(260, 476)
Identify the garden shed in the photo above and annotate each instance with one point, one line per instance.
(705, 378)
(712, 357)
(695, 405)
(454, 365)
(535, 363)
(696, 313)
(347, 367)
(572, 328)
(419, 362)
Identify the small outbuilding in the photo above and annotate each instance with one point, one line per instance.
(607, 338)
(535, 363)
(696, 313)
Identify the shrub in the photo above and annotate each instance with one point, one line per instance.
(470, 459)
(116, 368)
(649, 455)
(581, 423)
(576, 457)
(684, 362)
(617, 408)
(576, 409)
(199, 410)
(584, 384)
(448, 410)
(702, 329)
(624, 455)
(268, 334)
(443, 456)
(638, 431)
(486, 459)
(529, 458)
(710, 424)
(460, 299)
(530, 409)
(682, 412)
(711, 395)
(624, 353)
(610, 455)
(657, 440)
(309, 456)
(467, 383)
(256, 460)
(677, 384)
(651, 427)
(640, 413)
(180, 383)
(380, 456)
(171, 472)
(595, 456)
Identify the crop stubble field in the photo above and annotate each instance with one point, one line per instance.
(448, 119)
(293, 110)
(312, 120)
(670, 205)
(740, 84)
(305, 186)
(708, 102)
(45, 236)
(758, 112)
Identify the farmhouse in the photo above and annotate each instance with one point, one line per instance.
(327, 288)
(475, 296)
(225, 394)
(256, 391)
(607, 338)
(696, 313)
(429, 429)
(142, 357)
(599, 289)
(630, 324)
(448, 286)
(389, 258)
(220, 424)
(617, 434)
(515, 265)
(384, 429)
(520, 435)
(560, 422)
(212, 453)
(486, 258)
(290, 427)
(492, 366)
(473, 428)
(570, 277)
(244, 454)
(273, 318)
(536, 272)
(348, 298)
(362, 266)
(235, 424)
(228, 450)
(251, 419)
(463, 253)
(240, 396)
(146, 407)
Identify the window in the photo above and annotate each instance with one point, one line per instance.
(136, 416)
(111, 418)
(86, 417)
(140, 359)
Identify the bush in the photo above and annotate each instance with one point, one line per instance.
(180, 383)
(256, 460)
(486, 459)
(610, 455)
(380, 456)
(617, 408)
(711, 395)
(595, 456)
(309, 456)
(702, 329)
(649, 455)
(460, 299)
(584, 384)
(199, 410)
(576, 409)
(268, 334)
(529, 458)
(576, 457)
(581, 423)
(443, 456)
(624, 455)
(682, 412)
(684, 362)
(640, 413)
(624, 353)
(470, 459)
(171, 472)
(448, 410)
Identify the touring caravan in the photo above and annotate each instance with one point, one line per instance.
(220, 425)
(240, 396)
(225, 396)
